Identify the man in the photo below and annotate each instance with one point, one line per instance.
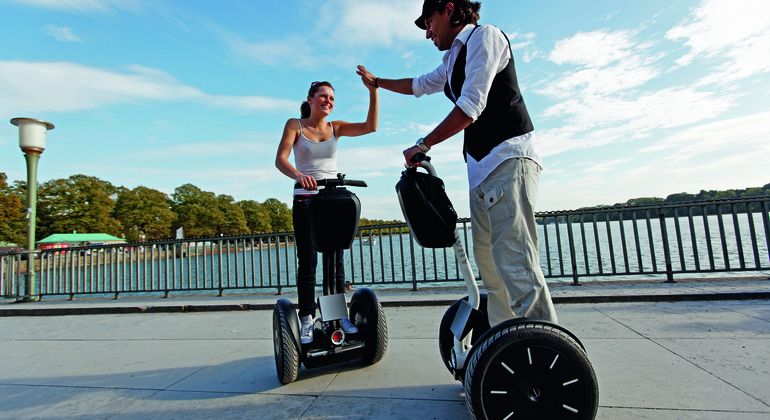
(477, 74)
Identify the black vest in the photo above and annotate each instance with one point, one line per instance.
(505, 115)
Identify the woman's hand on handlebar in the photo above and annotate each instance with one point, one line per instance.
(307, 182)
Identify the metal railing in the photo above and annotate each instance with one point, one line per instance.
(654, 242)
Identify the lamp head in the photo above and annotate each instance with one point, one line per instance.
(32, 133)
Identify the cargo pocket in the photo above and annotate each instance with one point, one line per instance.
(497, 205)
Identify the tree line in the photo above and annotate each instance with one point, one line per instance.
(679, 198)
(88, 204)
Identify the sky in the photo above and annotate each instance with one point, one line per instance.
(628, 98)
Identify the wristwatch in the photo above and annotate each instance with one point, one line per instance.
(422, 146)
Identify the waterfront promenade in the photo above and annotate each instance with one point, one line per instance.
(690, 350)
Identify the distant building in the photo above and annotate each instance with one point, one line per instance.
(66, 240)
(9, 247)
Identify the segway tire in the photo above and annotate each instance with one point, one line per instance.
(285, 344)
(366, 312)
(445, 336)
(533, 370)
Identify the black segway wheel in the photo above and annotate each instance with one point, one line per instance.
(366, 312)
(445, 336)
(286, 341)
(530, 369)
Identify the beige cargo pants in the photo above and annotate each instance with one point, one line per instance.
(505, 243)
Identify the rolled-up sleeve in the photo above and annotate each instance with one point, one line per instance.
(487, 55)
(431, 82)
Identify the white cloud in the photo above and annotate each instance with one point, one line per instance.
(717, 139)
(737, 31)
(604, 98)
(725, 154)
(599, 120)
(343, 32)
(629, 73)
(605, 63)
(274, 52)
(82, 5)
(62, 33)
(610, 16)
(519, 41)
(593, 49)
(63, 86)
(367, 23)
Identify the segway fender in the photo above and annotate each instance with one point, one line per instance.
(556, 326)
(464, 320)
(515, 321)
(287, 308)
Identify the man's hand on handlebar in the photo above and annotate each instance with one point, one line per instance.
(409, 156)
(307, 182)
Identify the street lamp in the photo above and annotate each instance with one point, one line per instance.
(32, 143)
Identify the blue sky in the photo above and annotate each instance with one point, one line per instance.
(629, 99)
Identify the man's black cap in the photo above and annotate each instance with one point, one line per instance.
(428, 7)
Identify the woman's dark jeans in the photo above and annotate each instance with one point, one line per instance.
(307, 257)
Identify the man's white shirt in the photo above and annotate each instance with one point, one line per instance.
(487, 55)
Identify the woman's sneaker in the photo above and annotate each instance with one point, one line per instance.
(306, 329)
(348, 326)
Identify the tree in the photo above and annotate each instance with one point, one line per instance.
(145, 214)
(280, 215)
(197, 211)
(12, 221)
(257, 216)
(79, 203)
(233, 220)
(680, 198)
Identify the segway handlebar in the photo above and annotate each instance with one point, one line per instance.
(337, 182)
(340, 182)
(424, 161)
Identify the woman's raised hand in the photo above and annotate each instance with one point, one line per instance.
(369, 80)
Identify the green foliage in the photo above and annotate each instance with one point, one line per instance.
(644, 201)
(257, 216)
(234, 221)
(145, 214)
(12, 221)
(197, 211)
(680, 198)
(79, 203)
(369, 222)
(280, 215)
(364, 222)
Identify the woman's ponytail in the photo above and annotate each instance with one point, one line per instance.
(304, 109)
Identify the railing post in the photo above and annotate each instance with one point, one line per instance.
(572, 252)
(666, 249)
(278, 261)
(414, 266)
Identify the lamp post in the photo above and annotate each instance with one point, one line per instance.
(32, 142)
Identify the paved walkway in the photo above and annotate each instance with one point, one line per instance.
(669, 356)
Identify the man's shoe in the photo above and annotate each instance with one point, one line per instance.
(306, 329)
(348, 326)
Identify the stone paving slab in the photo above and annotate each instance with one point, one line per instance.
(663, 360)
(732, 360)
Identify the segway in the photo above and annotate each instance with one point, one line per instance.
(521, 368)
(334, 214)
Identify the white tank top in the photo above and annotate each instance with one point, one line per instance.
(315, 158)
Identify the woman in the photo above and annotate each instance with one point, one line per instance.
(314, 141)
